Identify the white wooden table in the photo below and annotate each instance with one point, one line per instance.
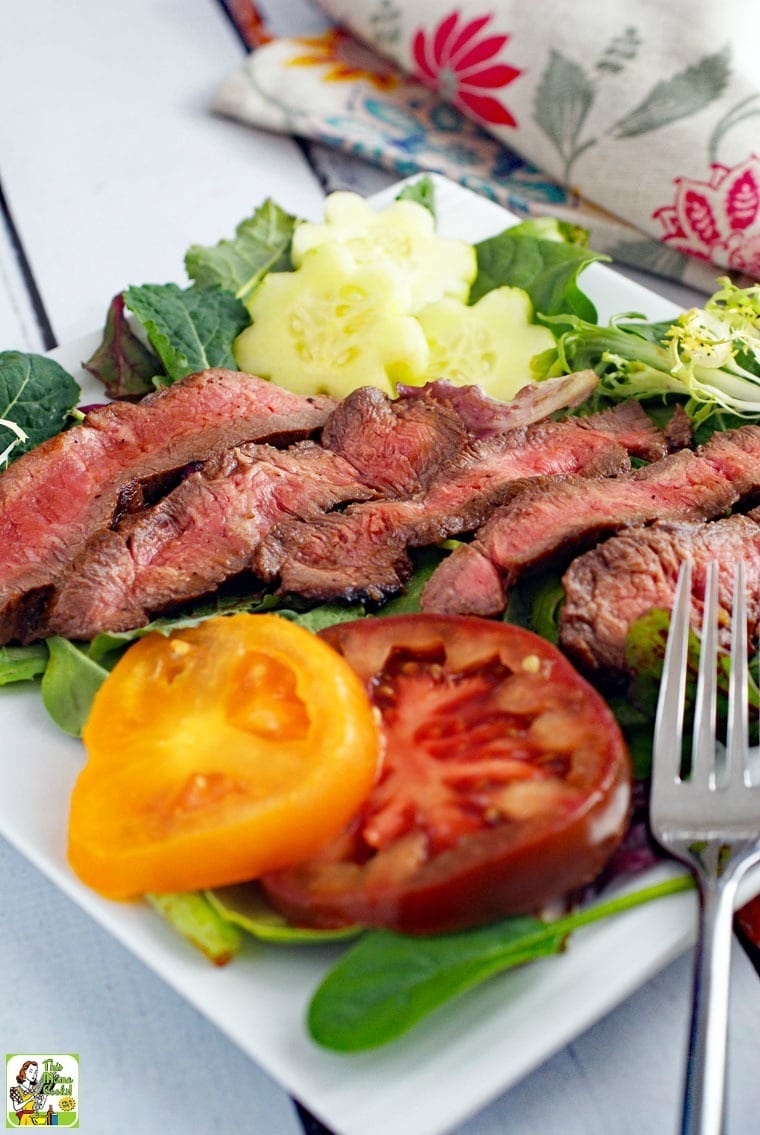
(110, 164)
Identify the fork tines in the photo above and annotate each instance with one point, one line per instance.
(712, 765)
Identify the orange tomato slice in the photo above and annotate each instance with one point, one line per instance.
(216, 754)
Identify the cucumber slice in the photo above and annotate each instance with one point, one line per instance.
(403, 234)
(332, 326)
(489, 344)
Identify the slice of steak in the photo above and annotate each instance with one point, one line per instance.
(736, 455)
(610, 587)
(679, 431)
(484, 416)
(361, 553)
(199, 535)
(398, 446)
(358, 555)
(553, 518)
(466, 583)
(633, 428)
(56, 496)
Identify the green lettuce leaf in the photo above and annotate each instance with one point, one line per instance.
(261, 244)
(189, 330)
(325, 615)
(535, 603)
(108, 643)
(645, 655)
(244, 906)
(196, 919)
(425, 561)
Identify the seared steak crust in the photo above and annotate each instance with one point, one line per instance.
(199, 535)
(358, 555)
(53, 499)
(679, 432)
(400, 446)
(608, 588)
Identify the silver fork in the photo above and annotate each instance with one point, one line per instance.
(709, 819)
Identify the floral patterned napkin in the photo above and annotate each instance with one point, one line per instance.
(635, 119)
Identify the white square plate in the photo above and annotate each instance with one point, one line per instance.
(459, 1059)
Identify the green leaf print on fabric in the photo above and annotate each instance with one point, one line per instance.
(747, 108)
(651, 256)
(563, 99)
(678, 97)
(385, 22)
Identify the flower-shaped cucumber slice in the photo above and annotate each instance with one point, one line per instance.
(404, 234)
(489, 344)
(332, 326)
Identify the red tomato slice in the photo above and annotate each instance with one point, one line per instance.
(505, 781)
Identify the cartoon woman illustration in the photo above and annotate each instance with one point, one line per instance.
(28, 1099)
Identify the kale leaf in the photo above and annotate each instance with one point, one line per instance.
(36, 397)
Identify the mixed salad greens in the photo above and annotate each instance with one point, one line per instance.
(707, 359)
(710, 356)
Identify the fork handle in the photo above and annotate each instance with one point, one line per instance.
(704, 1097)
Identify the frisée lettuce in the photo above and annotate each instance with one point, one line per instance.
(708, 356)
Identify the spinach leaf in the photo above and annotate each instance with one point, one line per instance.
(325, 615)
(69, 684)
(22, 663)
(108, 643)
(388, 982)
(535, 603)
(122, 362)
(552, 228)
(547, 269)
(190, 330)
(36, 397)
(422, 191)
(261, 244)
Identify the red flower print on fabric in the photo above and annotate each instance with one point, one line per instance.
(719, 219)
(460, 63)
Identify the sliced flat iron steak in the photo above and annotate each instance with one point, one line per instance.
(56, 496)
(554, 518)
(200, 534)
(360, 554)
